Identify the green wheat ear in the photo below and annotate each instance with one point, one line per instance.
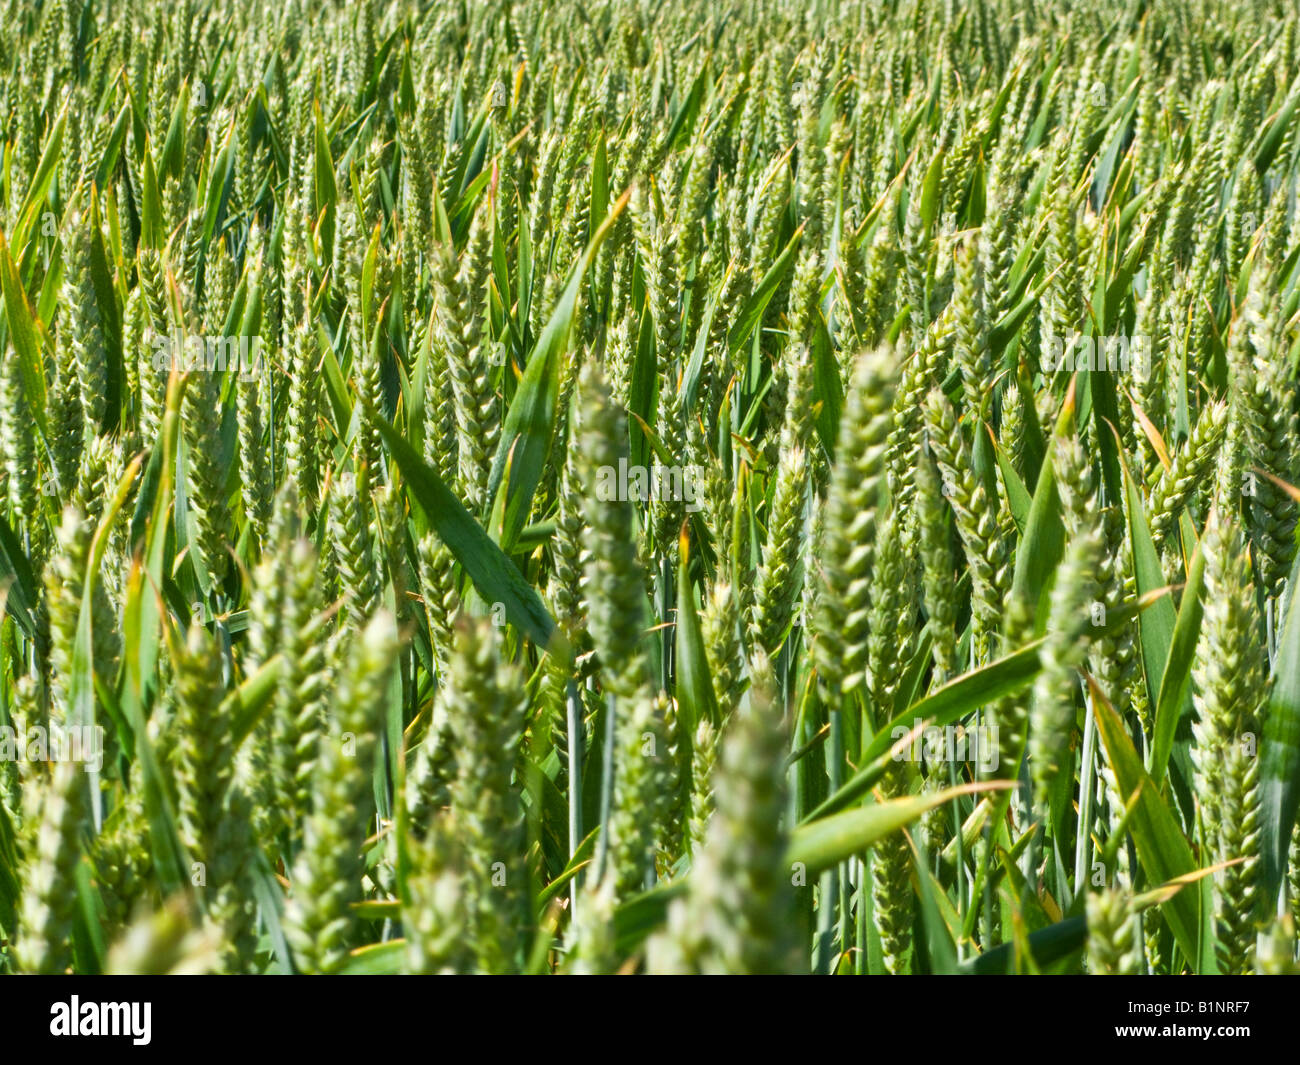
(1111, 947)
(459, 292)
(231, 903)
(937, 569)
(169, 940)
(64, 584)
(123, 861)
(977, 521)
(22, 486)
(430, 772)
(614, 576)
(889, 646)
(1190, 466)
(1052, 712)
(642, 783)
(204, 754)
(1276, 954)
(591, 944)
(723, 646)
(298, 714)
(254, 469)
(1229, 692)
(207, 471)
(716, 929)
(439, 591)
(326, 877)
(485, 707)
(354, 541)
(778, 588)
(848, 538)
(435, 914)
(44, 940)
(82, 328)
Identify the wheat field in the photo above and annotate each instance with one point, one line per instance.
(621, 487)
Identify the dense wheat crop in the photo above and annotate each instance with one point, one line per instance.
(649, 487)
